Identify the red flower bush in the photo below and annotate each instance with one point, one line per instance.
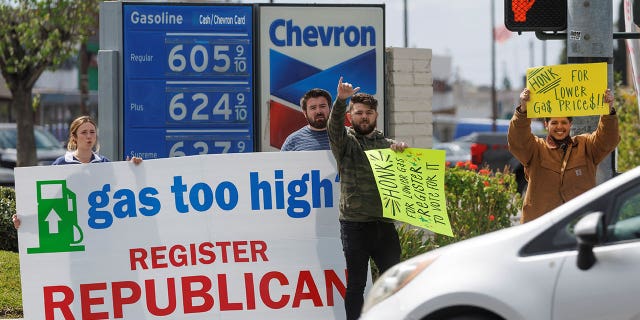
(478, 202)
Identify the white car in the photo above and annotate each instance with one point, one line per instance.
(579, 261)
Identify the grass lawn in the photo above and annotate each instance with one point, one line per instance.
(10, 292)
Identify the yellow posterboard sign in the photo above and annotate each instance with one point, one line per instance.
(567, 90)
(411, 186)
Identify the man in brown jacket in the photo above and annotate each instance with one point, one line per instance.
(560, 167)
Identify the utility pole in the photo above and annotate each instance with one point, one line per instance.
(406, 23)
(544, 53)
(589, 40)
(494, 99)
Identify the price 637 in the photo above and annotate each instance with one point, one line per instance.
(209, 107)
(224, 58)
(184, 148)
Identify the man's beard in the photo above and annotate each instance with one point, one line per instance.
(318, 123)
(368, 128)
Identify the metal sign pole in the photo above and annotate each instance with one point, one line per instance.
(590, 39)
(109, 83)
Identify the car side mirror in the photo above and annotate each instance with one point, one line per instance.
(588, 230)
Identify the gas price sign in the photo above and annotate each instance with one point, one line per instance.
(187, 80)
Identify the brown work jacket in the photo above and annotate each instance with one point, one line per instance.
(555, 175)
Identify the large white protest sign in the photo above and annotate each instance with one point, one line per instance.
(233, 236)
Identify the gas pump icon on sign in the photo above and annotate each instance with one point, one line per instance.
(58, 228)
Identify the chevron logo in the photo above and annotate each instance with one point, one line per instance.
(291, 78)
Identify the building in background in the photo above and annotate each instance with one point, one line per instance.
(455, 99)
(443, 102)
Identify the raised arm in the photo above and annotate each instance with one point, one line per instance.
(607, 136)
(520, 139)
(335, 126)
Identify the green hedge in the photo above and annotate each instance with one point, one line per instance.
(8, 234)
(10, 290)
(478, 202)
(629, 122)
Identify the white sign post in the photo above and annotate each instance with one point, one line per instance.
(233, 236)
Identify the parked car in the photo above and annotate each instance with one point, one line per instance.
(450, 128)
(578, 261)
(491, 149)
(48, 148)
(454, 152)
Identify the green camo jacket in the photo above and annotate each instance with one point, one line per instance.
(359, 197)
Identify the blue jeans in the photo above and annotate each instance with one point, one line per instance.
(361, 240)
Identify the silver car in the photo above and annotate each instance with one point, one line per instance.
(48, 148)
(455, 151)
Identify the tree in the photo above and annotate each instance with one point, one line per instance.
(629, 122)
(36, 35)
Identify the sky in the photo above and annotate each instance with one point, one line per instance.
(462, 30)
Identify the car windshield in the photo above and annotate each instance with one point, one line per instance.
(44, 140)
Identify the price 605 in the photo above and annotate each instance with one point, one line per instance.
(198, 59)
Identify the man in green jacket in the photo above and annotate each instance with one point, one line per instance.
(560, 167)
(364, 232)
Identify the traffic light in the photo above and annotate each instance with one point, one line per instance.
(535, 15)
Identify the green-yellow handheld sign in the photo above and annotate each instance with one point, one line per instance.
(411, 186)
